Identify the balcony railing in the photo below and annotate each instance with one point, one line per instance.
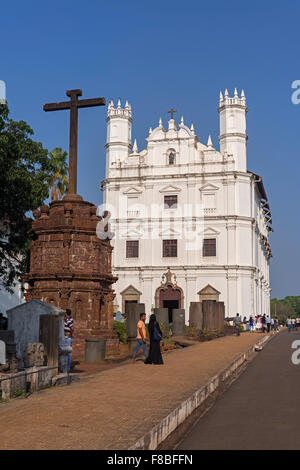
(209, 211)
(133, 214)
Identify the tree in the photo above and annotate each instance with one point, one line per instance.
(59, 185)
(27, 173)
(281, 309)
(294, 302)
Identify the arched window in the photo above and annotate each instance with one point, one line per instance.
(171, 158)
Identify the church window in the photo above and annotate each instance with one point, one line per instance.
(169, 248)
(172, 158)
(209, 247)
(132, 249)
(170, 202)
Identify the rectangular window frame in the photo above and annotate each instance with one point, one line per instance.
(209, 248)
(169, 198)
(132, 249)
(170, 248)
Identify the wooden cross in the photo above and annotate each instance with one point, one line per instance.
(73, 106)
(172, 111)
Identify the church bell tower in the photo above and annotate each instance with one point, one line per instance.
(233, 136)
(118, 143)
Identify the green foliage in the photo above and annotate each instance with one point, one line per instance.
(27, 173)
(284, 308)
(206, 331)
(166, 341)
(120, 329)
(19, 393)
(190, 331)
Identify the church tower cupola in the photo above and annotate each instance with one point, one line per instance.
(233, 136)
(119, 123)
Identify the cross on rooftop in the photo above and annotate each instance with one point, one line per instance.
(172, 111)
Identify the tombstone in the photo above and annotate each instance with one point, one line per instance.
(133, 316)
(162, 316)
(2, 353)
(213, 314)
(196, 316)
(179, 322)
(95, 349)
(24, 321)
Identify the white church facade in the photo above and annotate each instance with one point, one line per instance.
(187, 210)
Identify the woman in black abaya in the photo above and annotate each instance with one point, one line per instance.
(154, 333)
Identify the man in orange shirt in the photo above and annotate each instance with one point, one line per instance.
(141, 337)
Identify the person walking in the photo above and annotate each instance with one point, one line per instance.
(155, 334)
(272, 324)
(141, 338)
(69, 331)
(289, 324)
(251, 324)
(268, 320)
(237, 324)
(263, 322)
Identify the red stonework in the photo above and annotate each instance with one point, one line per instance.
(70, 267)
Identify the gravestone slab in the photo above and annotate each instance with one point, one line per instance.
(162, 316)
(2, 353)
(178, 322)
(196, 316)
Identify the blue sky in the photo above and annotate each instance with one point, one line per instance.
(157, 55)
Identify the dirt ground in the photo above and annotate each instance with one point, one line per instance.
(112, 408)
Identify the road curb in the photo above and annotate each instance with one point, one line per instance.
(152, 439)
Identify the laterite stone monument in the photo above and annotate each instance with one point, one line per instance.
(70, 267)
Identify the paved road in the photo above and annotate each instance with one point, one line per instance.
(261, 410)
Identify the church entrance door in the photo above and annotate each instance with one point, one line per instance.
(170, 298)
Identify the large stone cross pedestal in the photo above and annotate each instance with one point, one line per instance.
(71, 268)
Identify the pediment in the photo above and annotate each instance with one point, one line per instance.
(133, 190)
(210, 231)
(130, 290)
(209, 187)
(133, 234)
(170, 189)
(208, 290)
(169, 232)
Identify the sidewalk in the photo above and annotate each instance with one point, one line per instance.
(116, 407)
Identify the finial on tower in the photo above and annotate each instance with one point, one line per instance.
(182, 121)
(236, 93)
(135, 148)
(226, 93)
(119, 103)
(209, 142)
(192, 128)
(160, 122)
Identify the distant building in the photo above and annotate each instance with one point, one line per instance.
(178, 183)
